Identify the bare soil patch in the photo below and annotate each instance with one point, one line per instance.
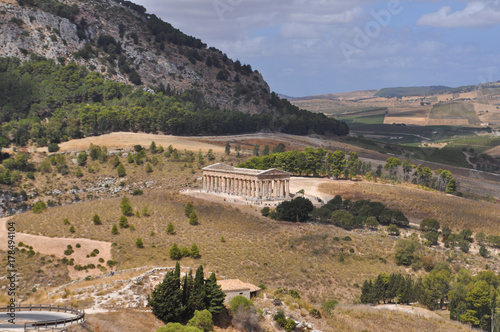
(56, 246)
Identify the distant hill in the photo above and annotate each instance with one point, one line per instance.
(411, 91)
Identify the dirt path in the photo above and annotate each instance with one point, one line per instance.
(56, 246)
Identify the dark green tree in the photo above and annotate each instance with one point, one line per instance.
(296, 210)
(166, 299)
(198, 295)
(214, 296)
(228, 148)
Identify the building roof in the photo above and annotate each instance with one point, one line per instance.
(231, 285)
(220, 167)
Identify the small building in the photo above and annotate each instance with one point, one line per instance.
(236, 287)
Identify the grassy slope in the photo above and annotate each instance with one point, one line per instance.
(302, 256)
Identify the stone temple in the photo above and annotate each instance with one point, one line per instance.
(271, 184)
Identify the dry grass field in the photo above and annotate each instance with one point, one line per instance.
(258, 250)
(120, 321)
(366, 318)
(126, 140)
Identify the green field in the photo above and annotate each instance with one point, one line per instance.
(353, 121)
(453, 111)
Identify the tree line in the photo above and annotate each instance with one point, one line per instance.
(341, 213)
(440, 179)
(315, 162)
(471, 299)
(44, 102)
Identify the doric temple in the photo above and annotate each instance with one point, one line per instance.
(266, 185)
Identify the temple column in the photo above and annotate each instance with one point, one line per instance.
(275, 189)
(254, 188)
(287, 188)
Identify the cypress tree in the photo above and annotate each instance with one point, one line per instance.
(197, 298)
(214, 296)
(177, 271)
(166, 298)
(187, 290)
(366, 292)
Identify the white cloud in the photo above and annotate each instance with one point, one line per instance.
(475, 14)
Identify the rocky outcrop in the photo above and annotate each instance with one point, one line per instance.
(12, 203)
(26, 30)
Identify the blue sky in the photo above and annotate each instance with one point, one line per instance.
(308, 47)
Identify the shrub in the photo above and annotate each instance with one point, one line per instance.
(240, 301)
(483, 252)
(329, 306)
(114, 229)
(194, 252)
(170, 229)
(315, 313)
(188, 209)
(78, 245)
(372, 223)
(139, 243)
(464, 245)
(265, 211)
(145, 211)
(343, 219)
(222, 239)
(404, 252)
(202, 320)
(72, 229)
(121, 170)
(66, 221)
(193, 218)
(184, 251)
(53, 147)
(293, 293)
(79, 172)
(137, 192)
(123, 223)
(97, 219)
(39, 207)
(149, 168)
(125, 206)
(175, 252)
(393, 230)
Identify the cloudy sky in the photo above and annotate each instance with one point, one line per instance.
(307, 47)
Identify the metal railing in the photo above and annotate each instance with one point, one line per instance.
(54, 323)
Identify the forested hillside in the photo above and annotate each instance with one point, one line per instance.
(77, 103)
(77, 69)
